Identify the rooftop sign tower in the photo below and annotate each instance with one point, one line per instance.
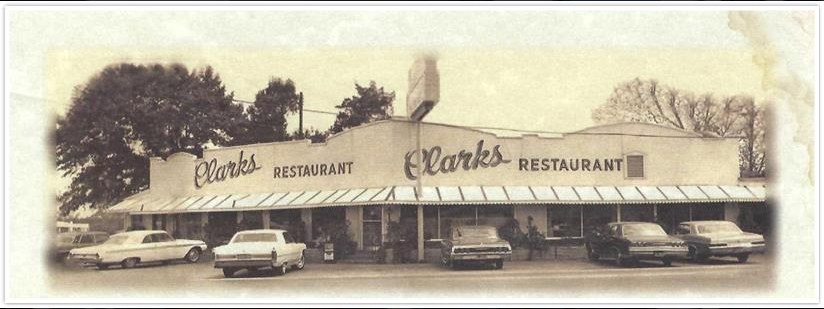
(424, 87)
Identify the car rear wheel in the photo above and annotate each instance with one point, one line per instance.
(667, 262)
(102, 266)
(193, 255)
(743, 258)
(281, 270)
(130, 263)
(229, 272)
(301, 262)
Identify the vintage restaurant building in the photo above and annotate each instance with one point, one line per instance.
(371, 175)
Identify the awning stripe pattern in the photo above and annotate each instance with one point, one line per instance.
(445, 195)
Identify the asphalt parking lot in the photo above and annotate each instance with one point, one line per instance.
(558, 278)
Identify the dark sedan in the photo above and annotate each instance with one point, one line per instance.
(475, 244)
(629, 242)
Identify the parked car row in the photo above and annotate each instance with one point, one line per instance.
(252, 250)
(629, 242)
(622, 242)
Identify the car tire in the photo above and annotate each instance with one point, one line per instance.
(193, 256)
(228, 272)
(499, 264)
(667, 262)
(281, 270)
(301, 262)
(591, 255)
(620, 260)
(743, 258)
(102, 266)
(130, 263)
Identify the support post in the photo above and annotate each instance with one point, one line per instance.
(618, 212)
(265, 219)
(420, 234)
(306, 217)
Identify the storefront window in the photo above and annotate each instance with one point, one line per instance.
(371, 226)
(327, 223)
(430, 222)
(495, 215)
(221, 227)
(564, 221)
(453, 216)
(290, 220)
(137, 223)
(597, 215)
(669, 216)
(252, 220)
(707, 212)
(642, 213)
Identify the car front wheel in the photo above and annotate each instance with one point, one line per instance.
(192, 256)
(499, 264)
(591, 255)
(743, 258)
(667, 262)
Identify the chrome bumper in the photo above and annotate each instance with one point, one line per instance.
(737, 249)
(480, 256)
(243, 263)
(658, 252)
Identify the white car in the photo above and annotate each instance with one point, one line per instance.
(132, 248)
(256, 249)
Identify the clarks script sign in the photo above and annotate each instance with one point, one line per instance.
(434, 161)
(212, 170)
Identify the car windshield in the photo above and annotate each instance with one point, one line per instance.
(475, 232)
(117, 240)
(719, 227)
(65, 238)
(643, 230)
(255, 237)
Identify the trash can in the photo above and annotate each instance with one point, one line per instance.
(328, 252)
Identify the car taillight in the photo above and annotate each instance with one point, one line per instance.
(274, 255)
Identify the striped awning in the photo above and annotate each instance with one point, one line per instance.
(444, 195)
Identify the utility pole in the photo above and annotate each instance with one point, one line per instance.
(300, 114)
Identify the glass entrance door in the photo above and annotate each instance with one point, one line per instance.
(372, 227)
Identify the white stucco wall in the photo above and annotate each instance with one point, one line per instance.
(377, 154)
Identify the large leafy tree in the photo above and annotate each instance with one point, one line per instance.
(649, 101)
(370, 104)
(128, 113)
(266, 120)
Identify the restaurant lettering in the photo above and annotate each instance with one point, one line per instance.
(307, 170)
(210, 171)
(435, 162)
(559, 165)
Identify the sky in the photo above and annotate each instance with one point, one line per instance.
(525, 69)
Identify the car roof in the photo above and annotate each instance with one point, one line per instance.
(142, 232)
(705, 222)
(261, 231)
(631, 222)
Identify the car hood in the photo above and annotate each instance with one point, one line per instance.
(478, 241)
(246, 247)
(732, 237)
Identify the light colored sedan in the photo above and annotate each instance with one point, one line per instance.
(256, 249)
(132, 248)
(718, 238)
